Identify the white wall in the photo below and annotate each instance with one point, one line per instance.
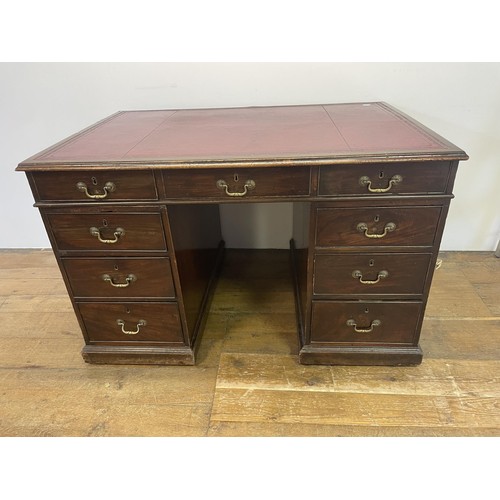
(41, 103)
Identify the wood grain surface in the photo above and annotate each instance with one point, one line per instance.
(248, 381)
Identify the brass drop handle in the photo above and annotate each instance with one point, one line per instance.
(118, 232)
(248, 186)
(393, 181)
(359, 275)
(375, 322)
(121, 323)
(363, 228)
(129, 279)
(109, 187)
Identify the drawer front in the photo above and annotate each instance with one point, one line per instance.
(376, 226)
(98, 186)
(120, 277)
(237, 184)
(384, 179)
(131, 322)
(108, 231)
(365, 322)
(365, 274)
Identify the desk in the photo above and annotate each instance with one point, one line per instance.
(131, 207)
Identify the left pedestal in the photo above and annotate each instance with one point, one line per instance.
(127, 264)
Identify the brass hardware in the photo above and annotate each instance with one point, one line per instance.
(439, 263)
(121, 323)
(363, 228)
(109, 187)
(375, 322)
(118, 232)
(129, 279)
(248, 186)
(359, 275)
(365, 181)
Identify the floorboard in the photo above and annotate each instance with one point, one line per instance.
(247, 381)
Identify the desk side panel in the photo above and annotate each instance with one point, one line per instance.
(197, 246)
(302, 264)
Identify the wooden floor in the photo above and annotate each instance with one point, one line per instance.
(247, 381)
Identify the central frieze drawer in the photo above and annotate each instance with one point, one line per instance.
(120, 277)
(108, 231)
(95, 186)
(384, 179)
(234, 184)
(376, 226)
(365, 322)
(131, 322)
(365, 274)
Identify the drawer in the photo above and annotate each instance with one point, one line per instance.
(120, 277)
(365, 322)
(236, 184)
(95, 186)
(376, 226)
(365, 274)
(384, 179)
(131, 322)
(106, 232)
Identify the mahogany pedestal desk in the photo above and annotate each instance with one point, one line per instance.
(131, 207)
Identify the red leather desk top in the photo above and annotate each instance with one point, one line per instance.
(332, 133)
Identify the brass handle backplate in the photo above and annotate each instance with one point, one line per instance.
(248, 186)
(375, 322)
(359, 275)
(121, 323)
(109, 187)
(129, 279)
(363, 228)
(117, 233)
(393, 181)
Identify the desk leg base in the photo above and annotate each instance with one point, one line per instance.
(361, 356)
(120, 355)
